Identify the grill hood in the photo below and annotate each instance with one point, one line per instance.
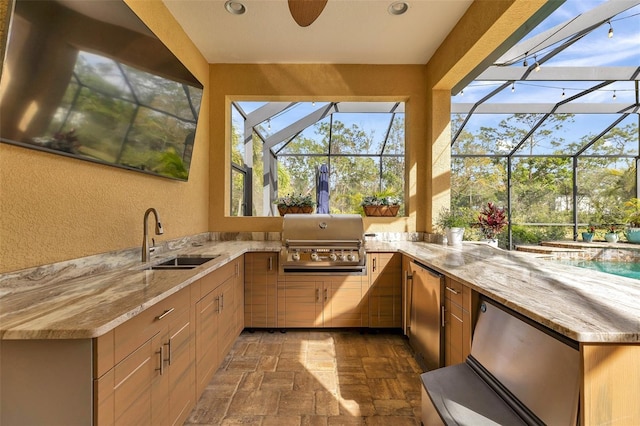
(322, 243)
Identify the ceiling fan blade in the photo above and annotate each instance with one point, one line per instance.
(304, 12)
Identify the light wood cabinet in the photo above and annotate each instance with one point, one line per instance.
(181, 368)
(154, 368)
(406, 294)
(322, 301)
(216, 327)
(458, 308)
(239, 295)
(385, 290)
(301, 303)
(346, 303)
(162, 359)
(261, 285)
(206, 339)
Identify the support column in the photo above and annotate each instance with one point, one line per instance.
(439, 156)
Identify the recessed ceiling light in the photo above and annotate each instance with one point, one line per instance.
(398, 8)
(235, 7)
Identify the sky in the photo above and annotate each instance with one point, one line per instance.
(595, 49)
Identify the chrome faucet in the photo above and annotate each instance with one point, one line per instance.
(146, 250)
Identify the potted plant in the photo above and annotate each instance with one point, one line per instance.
(632, 210)
(381, 204)
(453, 223)
(611, 236)
(587, 236)
(491, 221)
(295, 204)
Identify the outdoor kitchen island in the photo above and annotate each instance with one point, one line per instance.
(601, 312)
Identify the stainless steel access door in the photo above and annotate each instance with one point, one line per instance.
(426, 332)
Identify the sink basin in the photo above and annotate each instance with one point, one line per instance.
(182, 262)
(186, 261)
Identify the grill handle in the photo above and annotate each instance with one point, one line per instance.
(317, 243)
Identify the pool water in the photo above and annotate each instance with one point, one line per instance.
(624, 269)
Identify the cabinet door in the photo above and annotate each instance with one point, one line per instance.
(261, 281)
(300, 303)
(131, 390)
(344, 302)
(454, 324)
(160, 386)
(239, 296)
(226, 317)
(206, 339)
(181, 367)
(385, 292)
(407, 285)
(458, 323)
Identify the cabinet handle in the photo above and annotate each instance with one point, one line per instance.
(325, 294)
(452, 290)
(222, 302)
(374, 264)
(406, 307)
(271, 263)
(164, 314)
(170, 351)
(217, 299)
(443, 315)
(317, 294)
(237, 269)
(161, 352)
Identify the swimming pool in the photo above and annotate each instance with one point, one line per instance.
(624, 269)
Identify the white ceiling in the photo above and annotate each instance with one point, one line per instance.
(347, 31)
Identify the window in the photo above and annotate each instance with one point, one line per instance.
(279, 148)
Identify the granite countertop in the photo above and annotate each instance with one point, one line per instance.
(584, 305)
(87, 306)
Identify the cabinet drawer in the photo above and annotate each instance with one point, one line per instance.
(455, 319)
(213, 280)
(467, 298)
(142, 327)
(453, 291)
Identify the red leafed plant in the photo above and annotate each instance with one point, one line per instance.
(491, 220)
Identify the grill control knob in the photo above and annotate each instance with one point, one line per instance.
(295, 256)
(333, 257)
(314, 256)
(351, 257)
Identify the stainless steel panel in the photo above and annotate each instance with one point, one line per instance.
(319, 227)
(426, 333)
(540, 370)
(322, 243)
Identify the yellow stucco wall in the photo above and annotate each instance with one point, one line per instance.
(53, 208)
(319, 82)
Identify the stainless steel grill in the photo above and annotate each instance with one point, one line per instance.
(322, 243)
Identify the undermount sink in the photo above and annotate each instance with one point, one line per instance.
(183, 262)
